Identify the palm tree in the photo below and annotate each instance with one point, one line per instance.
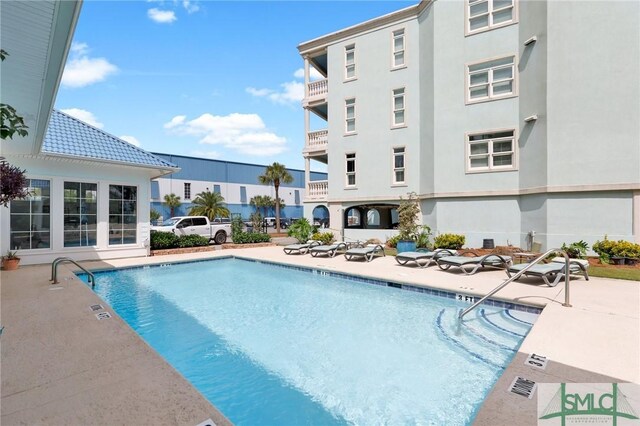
(210, 204)
(172, 201)
(262, 202)
(274, 175)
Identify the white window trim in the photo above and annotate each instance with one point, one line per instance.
(393, 166)
(467, 23)
(395, 125)
(355, 68)
(73, 180)
(490, 169)
(138, 242)
(51, 247)
(355, 170)
(490, 97)
(404, 49)
(355, 117)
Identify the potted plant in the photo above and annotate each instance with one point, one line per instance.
(408, 212)
(11, 261)
(627, 251)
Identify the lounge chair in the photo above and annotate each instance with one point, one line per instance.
(300, 248)
(330, 249)
(418, 256)
(368, 252)
(476, 262)
(552, 273)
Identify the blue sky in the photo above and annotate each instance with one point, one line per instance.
(215, 79)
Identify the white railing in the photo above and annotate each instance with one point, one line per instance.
(317, 189)
(318, 88)
(318, 139)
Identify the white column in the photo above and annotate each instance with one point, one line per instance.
(635, 211)
(307, 175)
(306, 76)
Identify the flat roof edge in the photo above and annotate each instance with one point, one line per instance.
(407, 12)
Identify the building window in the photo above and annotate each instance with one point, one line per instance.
(296, 195)
(398, 48)
(398, 165)
(216, 189)
(243, 195)
(187, 191)
(491, 80)
(398, 107)
(350, 115)
(353, 217)
(491, 151)
(351, 169)
(123, 217)
(488, 14)
(80, 214)
(30, 217)
(350, 62)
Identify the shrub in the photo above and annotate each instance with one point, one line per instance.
(301, 230)
(422, 237)
(449, 241)
(393, 241)
(256, 221)
(408, 212)
(604, 249)
(626, 249)
(192, 241)
(577, 250)
(251, 237)
(163, 240)
(323, 237)
(237, 228)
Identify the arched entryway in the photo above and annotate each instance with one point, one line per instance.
(321, 216)
(371, 216)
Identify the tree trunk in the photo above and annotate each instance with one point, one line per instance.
(277, 209)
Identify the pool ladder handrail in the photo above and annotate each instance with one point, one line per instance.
(59, 260)
(520, 273)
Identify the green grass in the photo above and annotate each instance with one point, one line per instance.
(632, 274)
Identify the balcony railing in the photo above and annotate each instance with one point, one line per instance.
(317, 190)
(318, 88)
(318, 139)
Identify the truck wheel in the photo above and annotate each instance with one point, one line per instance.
(220, 237)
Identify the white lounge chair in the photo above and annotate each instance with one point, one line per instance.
(329, 249)
(367, 253)
(552, 273)
(425, 256)
(476, 262)
(300, 248)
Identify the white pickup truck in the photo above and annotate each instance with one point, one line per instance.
(218, 230)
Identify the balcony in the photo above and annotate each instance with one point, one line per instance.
(316, 97)
(317, 190)
(317, 140)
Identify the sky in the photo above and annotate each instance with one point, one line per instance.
(211, 79)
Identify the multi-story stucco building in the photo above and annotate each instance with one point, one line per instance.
(507, 118)
(236, 182)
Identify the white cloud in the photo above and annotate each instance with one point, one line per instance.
(84, 115)
(81, 70)
(244, 133)
(161, 16)
(131, 139)
(289, 93)
(190, 7)
(314, 74)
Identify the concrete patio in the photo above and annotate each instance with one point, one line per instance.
(63, 366)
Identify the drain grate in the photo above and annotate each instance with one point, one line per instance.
(103, 315)
(96, 307)
(523, 387)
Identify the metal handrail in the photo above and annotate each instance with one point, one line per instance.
(59, 260)
(520, 273)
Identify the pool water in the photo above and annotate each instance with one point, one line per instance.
(274, 346)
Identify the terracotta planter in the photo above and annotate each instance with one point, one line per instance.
(10, 264)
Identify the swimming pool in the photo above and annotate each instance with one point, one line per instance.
(269, 345)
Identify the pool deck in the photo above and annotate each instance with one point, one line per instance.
(60, 365)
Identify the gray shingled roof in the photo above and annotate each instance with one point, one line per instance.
(69, 136)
